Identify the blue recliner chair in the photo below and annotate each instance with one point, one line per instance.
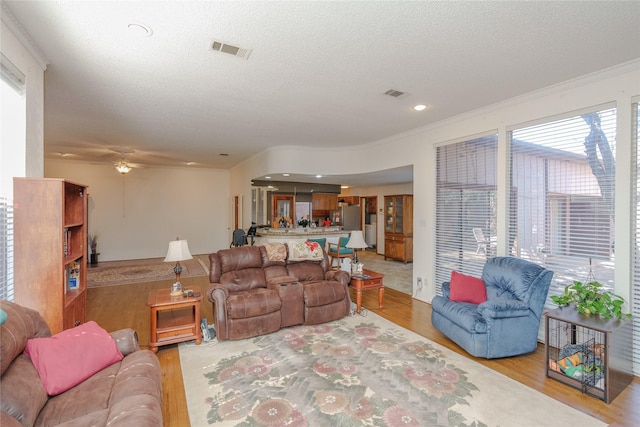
(507, 323)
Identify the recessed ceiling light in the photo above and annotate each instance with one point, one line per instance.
(420, 107)
(318, 176)
(267, 177)
(344, 186)
(285, 174)
(139, 29)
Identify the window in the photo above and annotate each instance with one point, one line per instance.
(562, 197)
(12, 152)
(465, 203)
(635, 289)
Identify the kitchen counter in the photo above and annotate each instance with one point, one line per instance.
(282, 235)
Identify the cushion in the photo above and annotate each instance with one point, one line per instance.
(70, 357)
(303, 251)
(276, 251)
(322, 242)
(3, 316)
(465, 288)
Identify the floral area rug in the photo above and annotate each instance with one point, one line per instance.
(139, 271)
(352, 372)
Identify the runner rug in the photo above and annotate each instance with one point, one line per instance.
(352, 372)
(139, 271)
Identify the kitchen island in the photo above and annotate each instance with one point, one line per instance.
(283, 235)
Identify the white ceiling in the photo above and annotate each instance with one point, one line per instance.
(316, 74)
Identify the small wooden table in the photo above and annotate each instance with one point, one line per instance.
(372, 282)
(174, 319)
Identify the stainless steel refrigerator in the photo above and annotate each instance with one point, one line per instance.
(349, 217)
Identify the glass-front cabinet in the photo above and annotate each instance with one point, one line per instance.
(394, 216)
(398, 227)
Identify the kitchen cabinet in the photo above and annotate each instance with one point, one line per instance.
(324, 202)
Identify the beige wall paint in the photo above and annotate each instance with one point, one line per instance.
(617, 85)
(136, 215)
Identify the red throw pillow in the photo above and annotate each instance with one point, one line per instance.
(463, 288)
(70, 357)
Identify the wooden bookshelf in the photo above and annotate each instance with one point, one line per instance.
(50, 240)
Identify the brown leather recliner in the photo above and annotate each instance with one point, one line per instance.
(253, 295)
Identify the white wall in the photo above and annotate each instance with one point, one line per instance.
(618, 86)
(25, 158)
(136, 215)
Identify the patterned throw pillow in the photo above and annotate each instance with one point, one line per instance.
(304, 251)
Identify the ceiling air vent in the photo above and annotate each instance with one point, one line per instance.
(394, 93)
(230, 49)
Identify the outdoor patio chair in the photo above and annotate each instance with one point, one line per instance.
(481, 241)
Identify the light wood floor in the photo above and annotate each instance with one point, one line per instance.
(116, 307)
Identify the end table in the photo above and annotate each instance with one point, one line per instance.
(174, 319)
(373, 281)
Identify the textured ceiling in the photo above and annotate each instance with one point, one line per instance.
(316, 74)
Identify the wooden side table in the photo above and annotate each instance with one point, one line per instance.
(174, 319)
(374, 281)
(604, 343)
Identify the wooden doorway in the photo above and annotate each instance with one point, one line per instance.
(283, 208)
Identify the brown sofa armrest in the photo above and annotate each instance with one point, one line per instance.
(127, 340)
(218, 295)
(213, 287)
(339, 276)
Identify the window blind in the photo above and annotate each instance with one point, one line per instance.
(562, 197)
(465, 200)
(635, 288)
(6, 250)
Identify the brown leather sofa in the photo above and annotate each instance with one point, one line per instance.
(253, 294)
(126, 393)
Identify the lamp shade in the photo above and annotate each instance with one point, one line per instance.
(356, 240)
(178, 251)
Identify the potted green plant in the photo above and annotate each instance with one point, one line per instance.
(591, 298)
(93, 245)
(304, 223)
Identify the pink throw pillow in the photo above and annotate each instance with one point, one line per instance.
(70, 357)
(463, 288)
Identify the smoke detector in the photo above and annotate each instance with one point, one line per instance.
(227, 48)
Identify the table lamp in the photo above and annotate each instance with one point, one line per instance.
(178, 251)
(356, 241)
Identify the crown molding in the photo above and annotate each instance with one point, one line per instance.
(21, 34)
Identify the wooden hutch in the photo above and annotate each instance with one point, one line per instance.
(398, 227)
